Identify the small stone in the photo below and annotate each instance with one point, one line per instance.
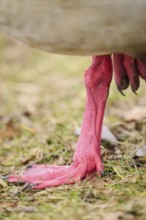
(141, 152)
(106, 135)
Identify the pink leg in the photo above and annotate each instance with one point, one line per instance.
(86, 159)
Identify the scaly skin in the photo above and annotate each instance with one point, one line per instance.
(87, 158)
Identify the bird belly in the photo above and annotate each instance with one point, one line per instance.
(78, 27)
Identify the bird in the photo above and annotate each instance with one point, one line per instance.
(113, 33)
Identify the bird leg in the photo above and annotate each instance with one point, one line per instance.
(86, 159)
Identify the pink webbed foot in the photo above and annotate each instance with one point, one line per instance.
(50, 176)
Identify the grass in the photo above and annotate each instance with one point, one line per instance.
(46, 93)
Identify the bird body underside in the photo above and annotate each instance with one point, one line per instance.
(78, 27)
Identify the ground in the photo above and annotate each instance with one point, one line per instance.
(42, 101)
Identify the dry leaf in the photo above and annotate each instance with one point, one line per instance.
(137, 114)
(13, 124)
(118, 215)
(10, 131)
(3, 183)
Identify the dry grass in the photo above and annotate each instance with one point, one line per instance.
(47, 93)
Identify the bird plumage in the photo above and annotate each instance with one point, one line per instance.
(79, 27)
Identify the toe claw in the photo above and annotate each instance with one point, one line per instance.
(28, 186)
(4, 177)
(120, 90)
(102, 174)
(29, 166)
(134, 91)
